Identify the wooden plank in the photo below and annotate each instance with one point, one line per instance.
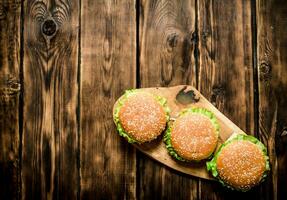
(50, 138)
(167, 42)
(272, 61)
(108, 63)
(167, 39)
(9, 98)
(226, 72)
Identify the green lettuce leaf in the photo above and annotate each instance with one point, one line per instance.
(211, 165)
(162, 101)
(167, 136)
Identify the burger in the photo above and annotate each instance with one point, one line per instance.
(193, 135)
(140, 116)
(240, 163)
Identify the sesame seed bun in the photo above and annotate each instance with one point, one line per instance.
(240, 163)
(140, 116)
(193, 135)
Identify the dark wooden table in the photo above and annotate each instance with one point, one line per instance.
(64, 63)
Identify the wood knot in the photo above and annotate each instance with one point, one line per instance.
(194, 37)
(265, 71)
(217, 91)
(172, 40)
(3, 11)
(283, 135)
(284, 132)
(205, 35)
(49, 27)
(9, 89)
(265, 68)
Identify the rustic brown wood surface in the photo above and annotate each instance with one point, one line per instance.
(50, 70)
(63, 64)
(108, 67)
(272, 82)
(9, 99)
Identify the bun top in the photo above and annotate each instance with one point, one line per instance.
(142, 117)
(194, 136)
(241, 164)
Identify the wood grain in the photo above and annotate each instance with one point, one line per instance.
(167, 42)
(9, 99)
(50, 138)
(108, 63)
(167, 39)
(272, 61)
(226, 71)
(65, 111)
(157, 149)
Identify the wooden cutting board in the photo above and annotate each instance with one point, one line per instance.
(178, 98)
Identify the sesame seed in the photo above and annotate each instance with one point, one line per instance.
(142, 117)
(193, 136)
(241, 164)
